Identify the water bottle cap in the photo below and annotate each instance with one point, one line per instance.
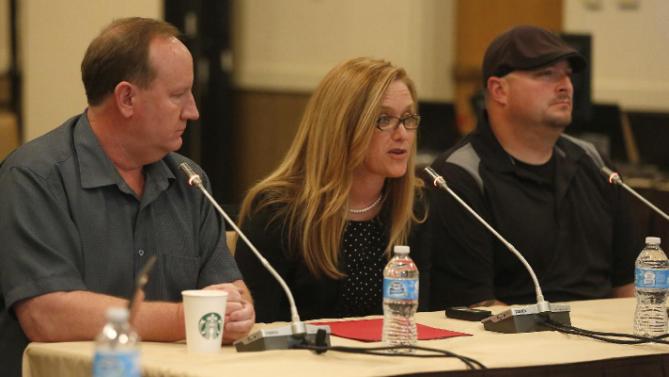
(117, 314)
(653, 240)
(401, 250)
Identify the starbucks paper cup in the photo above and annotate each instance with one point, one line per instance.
(204, 312)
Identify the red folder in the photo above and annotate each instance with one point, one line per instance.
(369, 330)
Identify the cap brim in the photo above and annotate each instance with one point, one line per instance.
(575, 59)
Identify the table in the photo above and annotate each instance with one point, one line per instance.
(529, 354)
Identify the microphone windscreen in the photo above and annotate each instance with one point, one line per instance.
(193, 177)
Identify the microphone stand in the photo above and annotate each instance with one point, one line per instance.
(517, 319)
(265, 339)
(615, 179)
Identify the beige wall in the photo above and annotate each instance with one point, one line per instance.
(54, 36)
(289, 45)
(630, 50)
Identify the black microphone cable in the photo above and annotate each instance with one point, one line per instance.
(609, 337)
(320, 346)
(383, 351)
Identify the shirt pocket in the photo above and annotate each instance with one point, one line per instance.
(177, 273)
(179, 260)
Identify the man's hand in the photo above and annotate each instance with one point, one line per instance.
(626, 290)
(239, 313)
(491, 302)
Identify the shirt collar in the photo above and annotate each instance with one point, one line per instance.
(497, 158)
(158, 178)
(487, 144)
(97, 170)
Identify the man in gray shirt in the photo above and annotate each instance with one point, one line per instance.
(84, 206)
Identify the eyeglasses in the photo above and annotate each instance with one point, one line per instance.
(389, 122)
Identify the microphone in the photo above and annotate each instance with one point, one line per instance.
(615, 179)
(517, 319)
(285, 337)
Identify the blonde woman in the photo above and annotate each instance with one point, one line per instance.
(344, 195)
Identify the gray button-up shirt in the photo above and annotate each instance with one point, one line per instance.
(68, 221)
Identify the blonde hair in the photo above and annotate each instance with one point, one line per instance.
(310, 188)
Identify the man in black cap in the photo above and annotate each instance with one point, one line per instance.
(541, 189)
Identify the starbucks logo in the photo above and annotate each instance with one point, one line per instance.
(210, 325)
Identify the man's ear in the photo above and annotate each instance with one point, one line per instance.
(124, 97)
(498, 89)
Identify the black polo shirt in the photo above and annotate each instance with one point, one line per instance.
(575, 230)
(70, 222)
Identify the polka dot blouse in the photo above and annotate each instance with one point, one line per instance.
(362, 260)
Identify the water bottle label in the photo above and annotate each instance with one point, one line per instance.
(651, 278)
(400, 289)
(116, 363)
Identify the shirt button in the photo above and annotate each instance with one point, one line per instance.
(141, 252)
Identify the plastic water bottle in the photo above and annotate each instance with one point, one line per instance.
(116, 347)
(651, 285)
(400, 299)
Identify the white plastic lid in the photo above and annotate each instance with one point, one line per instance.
(401, 250)
(117, 314)
(653, 240)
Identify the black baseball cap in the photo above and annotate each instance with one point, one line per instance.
(527, 47)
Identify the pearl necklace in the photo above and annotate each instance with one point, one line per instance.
(368, 208)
